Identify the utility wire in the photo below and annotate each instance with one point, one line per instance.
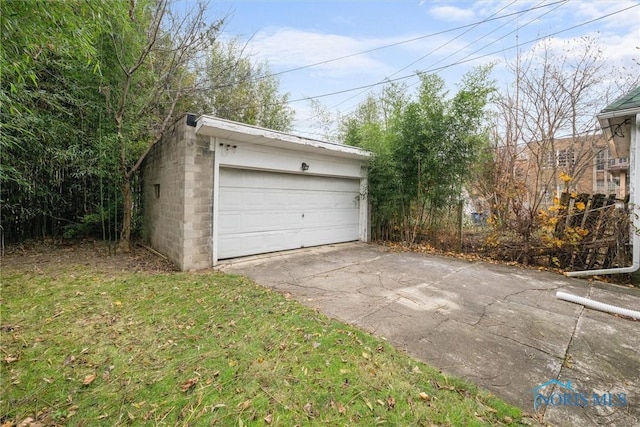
(496, 40)
(475, 24)
(424, 56)
(462, 61)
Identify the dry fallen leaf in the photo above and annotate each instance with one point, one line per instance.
(391, 402)
(268, 418)
(424, 396)
(308, 408)
(244, 405)
(10, 359)
(339, 407)
(189, 384)
(89, 379)
(29, 422)
(369, 405)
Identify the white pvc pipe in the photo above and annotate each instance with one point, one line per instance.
(596, 305)
(619, 270)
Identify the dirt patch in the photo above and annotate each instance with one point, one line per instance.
(48, 254)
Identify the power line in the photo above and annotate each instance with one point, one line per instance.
(462, 61)
(475, 24)
(498, 39)
(424, 56)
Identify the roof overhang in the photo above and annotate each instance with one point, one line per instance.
(616, 127)
(230, 130)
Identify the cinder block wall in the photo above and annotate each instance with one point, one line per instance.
(198, 201)
(177, 187)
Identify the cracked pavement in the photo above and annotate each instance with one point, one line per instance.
(497, 326)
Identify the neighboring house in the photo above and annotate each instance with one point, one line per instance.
(581, 165)
(216, 189)
(620, 122)
(610, 174)
(619, 125)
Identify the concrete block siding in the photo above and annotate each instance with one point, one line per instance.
(177, 197)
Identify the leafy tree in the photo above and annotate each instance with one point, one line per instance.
(47, 101)
(243, 91)
(152, 53)
(87, 88)
(424, 150)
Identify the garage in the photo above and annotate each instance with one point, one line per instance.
(215, 189)
(268, 211)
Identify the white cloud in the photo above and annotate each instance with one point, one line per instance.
(452, 13)
(587, 10)
(290, 48)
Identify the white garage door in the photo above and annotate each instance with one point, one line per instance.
(263, 212)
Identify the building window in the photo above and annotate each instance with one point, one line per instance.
(599, 185)
(550, 160)
(601, 158)
(566, 158)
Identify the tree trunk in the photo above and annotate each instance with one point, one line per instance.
(127, 206)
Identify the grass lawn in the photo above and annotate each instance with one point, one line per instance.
(84, 347)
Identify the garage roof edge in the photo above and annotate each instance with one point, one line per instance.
(214, 126)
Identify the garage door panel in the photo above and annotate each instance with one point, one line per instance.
(254, 243)
(329, 235)
(238, 178)
(263, 211)
(236, 222)
(338, 218)
(329, 200)
(286, 199)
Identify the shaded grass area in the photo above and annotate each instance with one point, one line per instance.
(85, 348)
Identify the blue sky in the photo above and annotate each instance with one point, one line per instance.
(290, 34)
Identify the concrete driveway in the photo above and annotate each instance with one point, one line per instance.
(499, 327)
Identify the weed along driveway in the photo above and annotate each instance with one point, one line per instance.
(499, 327)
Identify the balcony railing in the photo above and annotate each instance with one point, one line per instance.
(621, 163)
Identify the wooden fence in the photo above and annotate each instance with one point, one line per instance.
(600, 226)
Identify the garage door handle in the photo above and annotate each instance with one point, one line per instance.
(302, 215)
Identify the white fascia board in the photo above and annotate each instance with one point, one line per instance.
(212, 126)
(618, 113)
